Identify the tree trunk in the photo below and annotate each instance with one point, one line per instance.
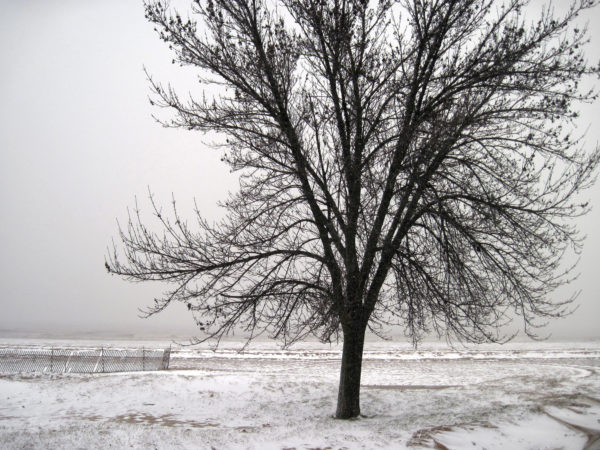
(348, 405)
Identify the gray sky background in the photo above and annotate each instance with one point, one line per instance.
(77, 144)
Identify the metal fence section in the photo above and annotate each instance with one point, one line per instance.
(62, 360)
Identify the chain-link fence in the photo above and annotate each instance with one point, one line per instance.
(61, 360)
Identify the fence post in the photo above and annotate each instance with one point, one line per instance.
(166, 357)
(52, 360)
(102, 357)
(143, 358)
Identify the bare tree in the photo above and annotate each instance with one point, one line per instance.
(401, 163)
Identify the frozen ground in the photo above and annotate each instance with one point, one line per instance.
(519, 396)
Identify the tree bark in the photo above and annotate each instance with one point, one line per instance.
(348, 405)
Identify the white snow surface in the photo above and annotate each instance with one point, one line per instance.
(517, 396)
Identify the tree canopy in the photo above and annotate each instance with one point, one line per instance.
(401, 162)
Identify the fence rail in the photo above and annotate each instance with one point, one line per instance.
(62, 360)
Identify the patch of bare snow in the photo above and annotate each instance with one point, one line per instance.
(266, 402)
(534, 432)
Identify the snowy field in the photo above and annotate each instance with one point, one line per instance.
(517, 396)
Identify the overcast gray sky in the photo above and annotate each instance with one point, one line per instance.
(77, 144)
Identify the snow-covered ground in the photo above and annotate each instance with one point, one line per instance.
(517, 396)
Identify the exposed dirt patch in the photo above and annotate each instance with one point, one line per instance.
(313, 448)
(167, 420)
(8, 417)
(593, 399)
(406, 387)
(426, 436)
